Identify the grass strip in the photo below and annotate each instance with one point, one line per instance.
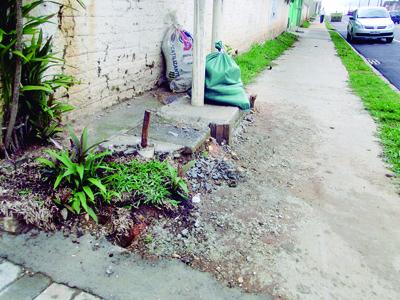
(382, 102)
(260, 56)
(306, 24)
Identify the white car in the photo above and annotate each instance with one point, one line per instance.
(370, 23)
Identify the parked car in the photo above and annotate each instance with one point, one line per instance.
(395, 15)
(370, 23)
(336, 17)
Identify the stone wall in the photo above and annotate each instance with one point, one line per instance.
(114, 46)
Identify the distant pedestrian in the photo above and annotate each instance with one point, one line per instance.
(322, 15)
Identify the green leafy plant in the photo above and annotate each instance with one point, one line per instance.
(177, 184)
(153, 182)
(79, 169)
(26, 57)
(39, 86)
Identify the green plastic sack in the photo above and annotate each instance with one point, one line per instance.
(223, 83)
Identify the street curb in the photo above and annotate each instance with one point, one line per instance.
(368, 63)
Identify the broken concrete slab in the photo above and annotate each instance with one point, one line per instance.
(148, 152)
(119, 117)
(181, 111)
(80, 265)
(164, 135)
(128, 144)
(172, 127)
(165, 131)
(86, 296)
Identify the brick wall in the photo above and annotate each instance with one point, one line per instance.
(114, 46)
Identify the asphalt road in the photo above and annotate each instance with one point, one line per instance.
(384, 57)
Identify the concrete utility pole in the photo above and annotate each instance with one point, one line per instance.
(217, 23)
(199, 59)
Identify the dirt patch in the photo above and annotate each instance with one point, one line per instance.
(238, 229)
(235, 220)
(27, 194)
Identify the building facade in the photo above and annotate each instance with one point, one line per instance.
(114, 46)
(392, 5)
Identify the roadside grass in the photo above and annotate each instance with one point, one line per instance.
(306, 24)
(382, 102)
(260, 56)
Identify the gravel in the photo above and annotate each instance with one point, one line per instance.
(209, 172)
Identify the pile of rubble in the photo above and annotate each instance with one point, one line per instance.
(209, 172)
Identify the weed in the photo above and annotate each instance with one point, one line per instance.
(186, 167)
(379, 98)
(24, 192)
(260, 56)
(306, 24)
(148, 239)
(151, 182)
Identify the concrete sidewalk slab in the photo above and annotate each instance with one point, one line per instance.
(57, 291)
(86, 296)
(8, 273)
(27, 287)
(90, 266)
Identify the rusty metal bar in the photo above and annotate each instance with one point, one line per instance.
(145, 129)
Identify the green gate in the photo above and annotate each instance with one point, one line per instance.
(295, 13)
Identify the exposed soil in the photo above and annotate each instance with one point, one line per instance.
(27, 194)
(238, 229)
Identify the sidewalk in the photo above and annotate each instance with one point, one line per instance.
(328, 160)
(17, 283)
(106, 270)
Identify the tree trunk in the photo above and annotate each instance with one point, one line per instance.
(17, 75)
